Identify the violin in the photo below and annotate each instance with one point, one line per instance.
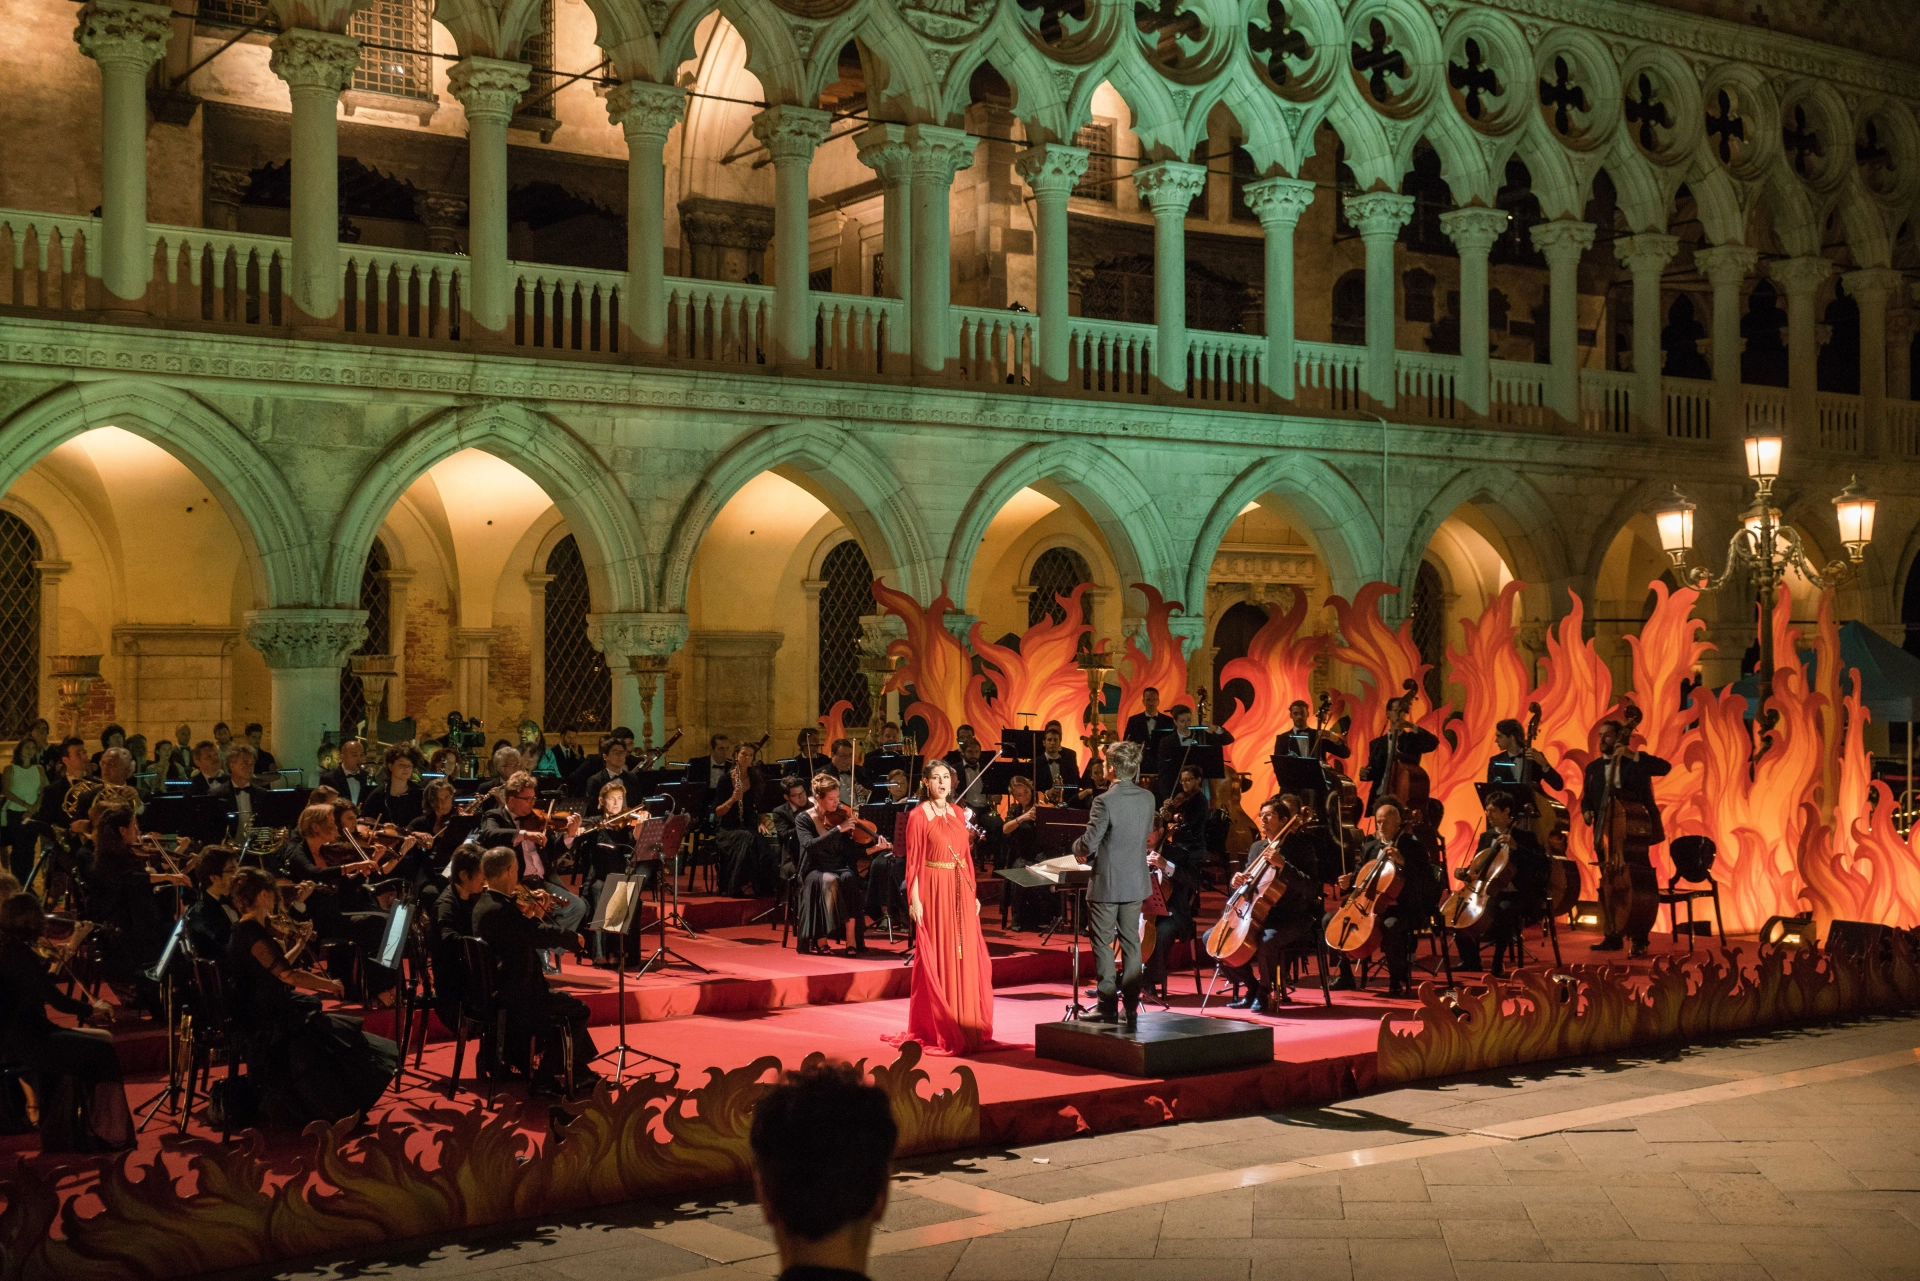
(534, 904)
(293, 936)
(862, 833)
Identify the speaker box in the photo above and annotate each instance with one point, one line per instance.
(1857, 938)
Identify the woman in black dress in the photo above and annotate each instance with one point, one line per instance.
(399, 799)
(124, 893)
(76, 1073)
(310, 1065)
(830, 890)
(1019, 846)
(606, 851)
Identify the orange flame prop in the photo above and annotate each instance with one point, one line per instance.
(834, 724)
(1165, 670)
(1041, 677)
(1279, 666)
(936, 667)
(1383, 655)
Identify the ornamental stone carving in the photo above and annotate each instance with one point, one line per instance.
(946, 19)
(791, 133)
(297, 638)
(1279, 202)
(637, 635)
(1052, 169)
(488, 88)
(1379, 213)
(1563, 238)
(123, 33)
(315, 59)
(883, 148)
(1241, 563)
(1169, 186)
(939, 153)
(1475, 228)
(646, 110)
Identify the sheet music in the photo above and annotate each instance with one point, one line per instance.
(623, 900)
(1056, 869)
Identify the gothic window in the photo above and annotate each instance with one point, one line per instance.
(1096, 140)
(19, 627)
(394, 38)
(1515, 246)
(1432, 197)
(1429, 619)
(1680, 340)
(1231, 637)
(847, 596)
(1838, 365)
(1764, 362)
(236, 13)
(537, 52)
(1417, 285)
(579, 690)
(1350, 309)
(373, 599)
(1056, 573)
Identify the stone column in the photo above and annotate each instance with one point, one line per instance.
(884, 149)
(791, 134)
(304, 650)
(489, 90)
(537, 646)
(125, 39)
(1168, 188)
(1378, 216)
(1562, 242)
(938, 154)
(628, 640)
(51, 573)
(1899, 349)
(1727, 268)
(1872, 288)
(399, 582)
(1646, 256)
(1473, 232)
(1052, 170)
(1279, 202)
(1800, 280)
(471, 649)
(316, 65)
(647, 113)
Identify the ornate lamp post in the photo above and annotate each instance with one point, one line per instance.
(1763, 548)
(1095, 662)
(374, 672)
(75, 675)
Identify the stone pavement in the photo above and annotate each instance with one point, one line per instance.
(1794, 1157)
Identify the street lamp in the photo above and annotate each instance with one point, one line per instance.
(1764, 547)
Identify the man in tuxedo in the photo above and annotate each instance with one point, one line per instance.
(206, 767)
(1290, 922)
(613, 768)
(1115, 843)
(1622, 771)
(1516, 762)
(1149, 723)
(1298, 739)
(263, 762)
(785, 833)
(808, 758)
(1058, 767)
(242, 793)
(538, 850)
(852, 791)
(1520, 900)
(450, 926)
(1410, 743)
(719, 760)
(350, 777)
(1171, 752)
(534, 1011)
(966, 763)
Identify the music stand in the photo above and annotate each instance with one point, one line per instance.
(398, 954)
(618, 908)
(650, 846)
(1302, 775)
(1022, 745)
(1519, 794)
(162, 973)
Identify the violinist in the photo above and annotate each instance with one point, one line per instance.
(341, 906)
(1019, 846)
(211, 915)
(1419, 895)
(1409, 741)
(451, 926)
(1516, 763)
(492, 798)
(786, 816)
(1095, 779)
(239, 789)
(842, 769)
(1520, 902)
(1304, 739)
(1292, 920)
(435, 821)
(749, 864)
(398, 800)
(445, 762)
(1181, 859)
(1623, 771)
(539, 845)
(831, 892)
(534, 1010)
(809, 759)
(606, 851)
(120, 893)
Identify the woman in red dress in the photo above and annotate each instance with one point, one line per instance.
(951, 1011)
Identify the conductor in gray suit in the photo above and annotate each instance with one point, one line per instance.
(1115, 843)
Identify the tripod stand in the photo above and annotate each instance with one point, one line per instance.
(619, 904)
(163, 973)
(674, 835)
(658, 842)
(400, 952)
(1074, 898)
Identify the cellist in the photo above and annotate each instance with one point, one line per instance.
(1621, 771)
(1510, 911)
(1292, 921)
(1419, 895)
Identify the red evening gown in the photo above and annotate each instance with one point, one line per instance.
(951, 1010)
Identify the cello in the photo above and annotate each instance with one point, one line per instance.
(1622, 836)
(1488, 874)
(1354, 928)
(1235, 936)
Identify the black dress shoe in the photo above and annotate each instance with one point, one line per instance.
(1639, 948)
(1104, 1014)
(1611, 943)
(1344, 983)
(1132, 1016)
(1396, 992)
(1260, 1005)
(1244, 1003)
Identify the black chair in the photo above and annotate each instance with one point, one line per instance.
(484, 1013)
(205, 1031)
(1692, 862)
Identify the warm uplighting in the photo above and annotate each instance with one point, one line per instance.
(1676, 528)
(1763, 460)
(1855, 511)
(1788, 931)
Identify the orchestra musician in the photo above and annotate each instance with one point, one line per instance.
(1115, 843)
(239, 788)
(749, 865)
(1019, 846)
(263, 762)
(450, 926)
(398, 799)
(786, 816)
(120, 886)
(613, 769)
(538, 848)
(1410, 743)
(966, 763)
(1173, 749)
(1292, 920)
(341, 905)
(831, 891)
(1149, 723)
(436, 822)
(114, 786)
(1299, 739)
(808, 758)
(1057, 772)
(535, 1012)
(840, 765)
(1623, 771)
(502, 766)
(1180, 858)
(607, 851)
(211, 915)
(1419, 896)
(350, 777)
(1515, 762)
(709, 773)
(1517, 905)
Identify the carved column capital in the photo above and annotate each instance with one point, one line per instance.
(883, 148)
(488, 88)
(1474, 229)
(1169, 186)
(1800, 276)
(1873, 283)
(122, 33)
(1727, 265)
(305, 638)
(791, 133)
(1563, 239)
(939, 153)
(1052, 170)
(315, 59)
(1279, 202)
(646, 111)
(1650, 251)
(637, 635)
(1379, 215)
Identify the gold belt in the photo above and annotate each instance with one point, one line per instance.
(946, 867)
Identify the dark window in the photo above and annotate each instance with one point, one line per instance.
(394, 43)
(1418, 288)
(1764, 362)
(1350, 309)
(1680, 340)
(579, 690)
(1244, 172)
(1197, 207)
(847, 596)
(1056, 573)
(537, 52)
(1231, 637)
(1431, 198)
(19, 627)
(373, 599)
(1097, 141)
(1429, 619)
(1838, 366)
(1515, 245)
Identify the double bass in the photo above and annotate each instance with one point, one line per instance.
(1622, 836)
(1549, 826)
(1404, 781)
(1235, 936)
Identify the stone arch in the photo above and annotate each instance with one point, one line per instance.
(1526, 519)
(1136, 533)
(273, 533)
(870, 496)
(576, 478)
(1346, 530)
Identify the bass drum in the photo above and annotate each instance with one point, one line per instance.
(1563, 884)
